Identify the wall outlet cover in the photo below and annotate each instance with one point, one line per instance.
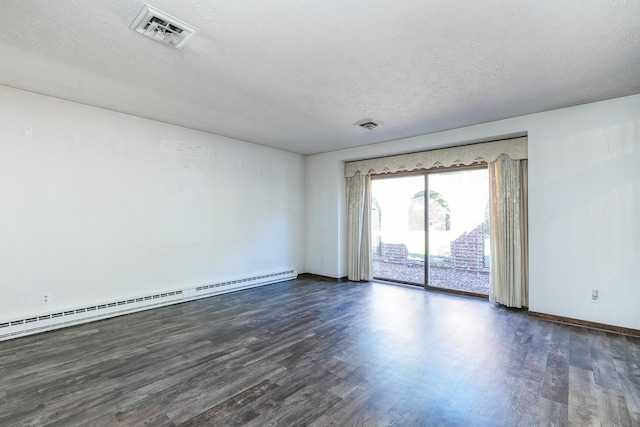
(45, 298)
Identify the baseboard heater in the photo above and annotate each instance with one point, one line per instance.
(61, 319)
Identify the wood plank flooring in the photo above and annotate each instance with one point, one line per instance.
(316, 353)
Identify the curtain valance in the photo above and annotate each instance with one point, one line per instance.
(515, 148)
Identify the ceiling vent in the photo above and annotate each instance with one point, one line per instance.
(367, 124)
(162, 27)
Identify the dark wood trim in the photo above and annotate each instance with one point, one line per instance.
(433, 288)
(312, 276)
(396, 282)
(457, 292)
(585, 324)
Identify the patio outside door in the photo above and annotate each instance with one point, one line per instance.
(438, 241)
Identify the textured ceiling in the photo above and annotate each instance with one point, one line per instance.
(297, 75)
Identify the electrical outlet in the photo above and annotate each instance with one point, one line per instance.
(28, 133)
(45, 298)
(595, 296)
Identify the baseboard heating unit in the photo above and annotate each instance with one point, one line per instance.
(46, 322)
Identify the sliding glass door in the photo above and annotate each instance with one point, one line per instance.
(459, 249)
(397, 229)
(432, 229)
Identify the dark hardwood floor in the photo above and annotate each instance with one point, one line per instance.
(317, 353)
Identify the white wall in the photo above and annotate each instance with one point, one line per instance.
(91, 209)
(584, 205)
(325, 191)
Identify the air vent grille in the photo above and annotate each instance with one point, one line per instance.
(162, 27)
(368, 124)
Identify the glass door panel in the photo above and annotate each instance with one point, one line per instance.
(397, 228)
(459, 252)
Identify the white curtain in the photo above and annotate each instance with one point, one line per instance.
(360, 262)
(509, 232)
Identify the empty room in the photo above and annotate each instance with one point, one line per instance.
(319, 213)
